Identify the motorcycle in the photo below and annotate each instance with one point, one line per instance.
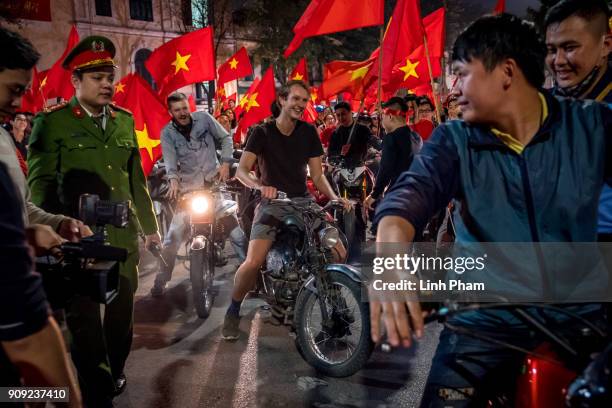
(354, 182)
(211, 219)
(564, 370)
(318, 299)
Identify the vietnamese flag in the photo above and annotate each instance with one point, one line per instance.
(330, 16)
(183, 61)
(33, 99)
(244, 99)
(412, 70)
(58, 83)
(150, 117)
(404, 33)
(237, 66)
(120, 91)
(260, 99)
(300, 72)
(500, 7)
(346, 76)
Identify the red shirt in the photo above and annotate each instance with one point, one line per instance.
(326, 135)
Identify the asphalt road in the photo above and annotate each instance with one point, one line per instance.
(179, 360)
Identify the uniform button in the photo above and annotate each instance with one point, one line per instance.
(113, 188)
(106, 147)
(109, 167)
(80, 145)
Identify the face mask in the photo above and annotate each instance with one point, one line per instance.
(580, 88)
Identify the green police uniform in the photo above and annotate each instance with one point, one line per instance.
(71, 154)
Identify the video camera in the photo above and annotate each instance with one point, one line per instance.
(89, 267)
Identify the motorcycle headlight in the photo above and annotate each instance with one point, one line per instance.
(199, 205)
(329, 237)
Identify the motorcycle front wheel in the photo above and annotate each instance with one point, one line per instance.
(341, 348)
(201, 272)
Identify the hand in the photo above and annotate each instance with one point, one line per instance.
(369, 201)
(73, 230)
(346, 203)
(396, 321)
(152, 239)
(224, 171)
(173, 190)
(43, 239)
(268, 192)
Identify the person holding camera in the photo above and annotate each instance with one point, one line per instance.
(88, 145)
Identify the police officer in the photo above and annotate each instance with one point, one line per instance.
(88, 145)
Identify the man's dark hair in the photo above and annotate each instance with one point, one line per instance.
(396, 102)
(342, 105)
(284, 90)
(175, 97)
(17, 52)
(595, 12)
(424, 100)
(492, 39)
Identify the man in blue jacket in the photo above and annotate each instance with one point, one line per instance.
(524, 167)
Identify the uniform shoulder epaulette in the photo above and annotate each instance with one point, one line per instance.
(55, 108)
(120, 108)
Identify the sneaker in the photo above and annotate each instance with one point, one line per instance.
(158, 289)
(231, 329)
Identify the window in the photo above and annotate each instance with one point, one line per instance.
(141, 10)
(103, 8)
(139, 61)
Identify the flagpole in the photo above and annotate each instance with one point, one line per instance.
(433, 91)
(348, 142)
(380, 66)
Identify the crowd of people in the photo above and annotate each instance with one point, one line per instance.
(514, 163)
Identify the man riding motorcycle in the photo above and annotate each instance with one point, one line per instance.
(348, 145)
(282, 148)
(191, 140)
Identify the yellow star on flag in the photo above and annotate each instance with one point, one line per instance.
(145, 142)
(252, 102)
(359, 73)
(313, 96)
(221, 91)
(181, 62)
(120, 87)
(298, 77)
(410, 69)
(43, 83)
(244, 100)
(233, 63)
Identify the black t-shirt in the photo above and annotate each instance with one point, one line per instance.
(282, 159)
(359, 143)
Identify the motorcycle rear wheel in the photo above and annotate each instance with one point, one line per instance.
(344, 349)
(201, 272)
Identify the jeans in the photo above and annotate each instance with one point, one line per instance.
(177, 233)
(468, 372)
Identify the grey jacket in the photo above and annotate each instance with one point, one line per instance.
(195, 162)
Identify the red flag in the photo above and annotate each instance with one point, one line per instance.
(34, 100)
(260, 99)
(348, 76)
(310, 113)
(237, 66)
(121, 90)
(183, 61)
(330, 16)
(300, 72)
(500, 7)
(244, 99)
(404, 33)
(192, 104)
(413, 71)
(58, 83)
(150, 116)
